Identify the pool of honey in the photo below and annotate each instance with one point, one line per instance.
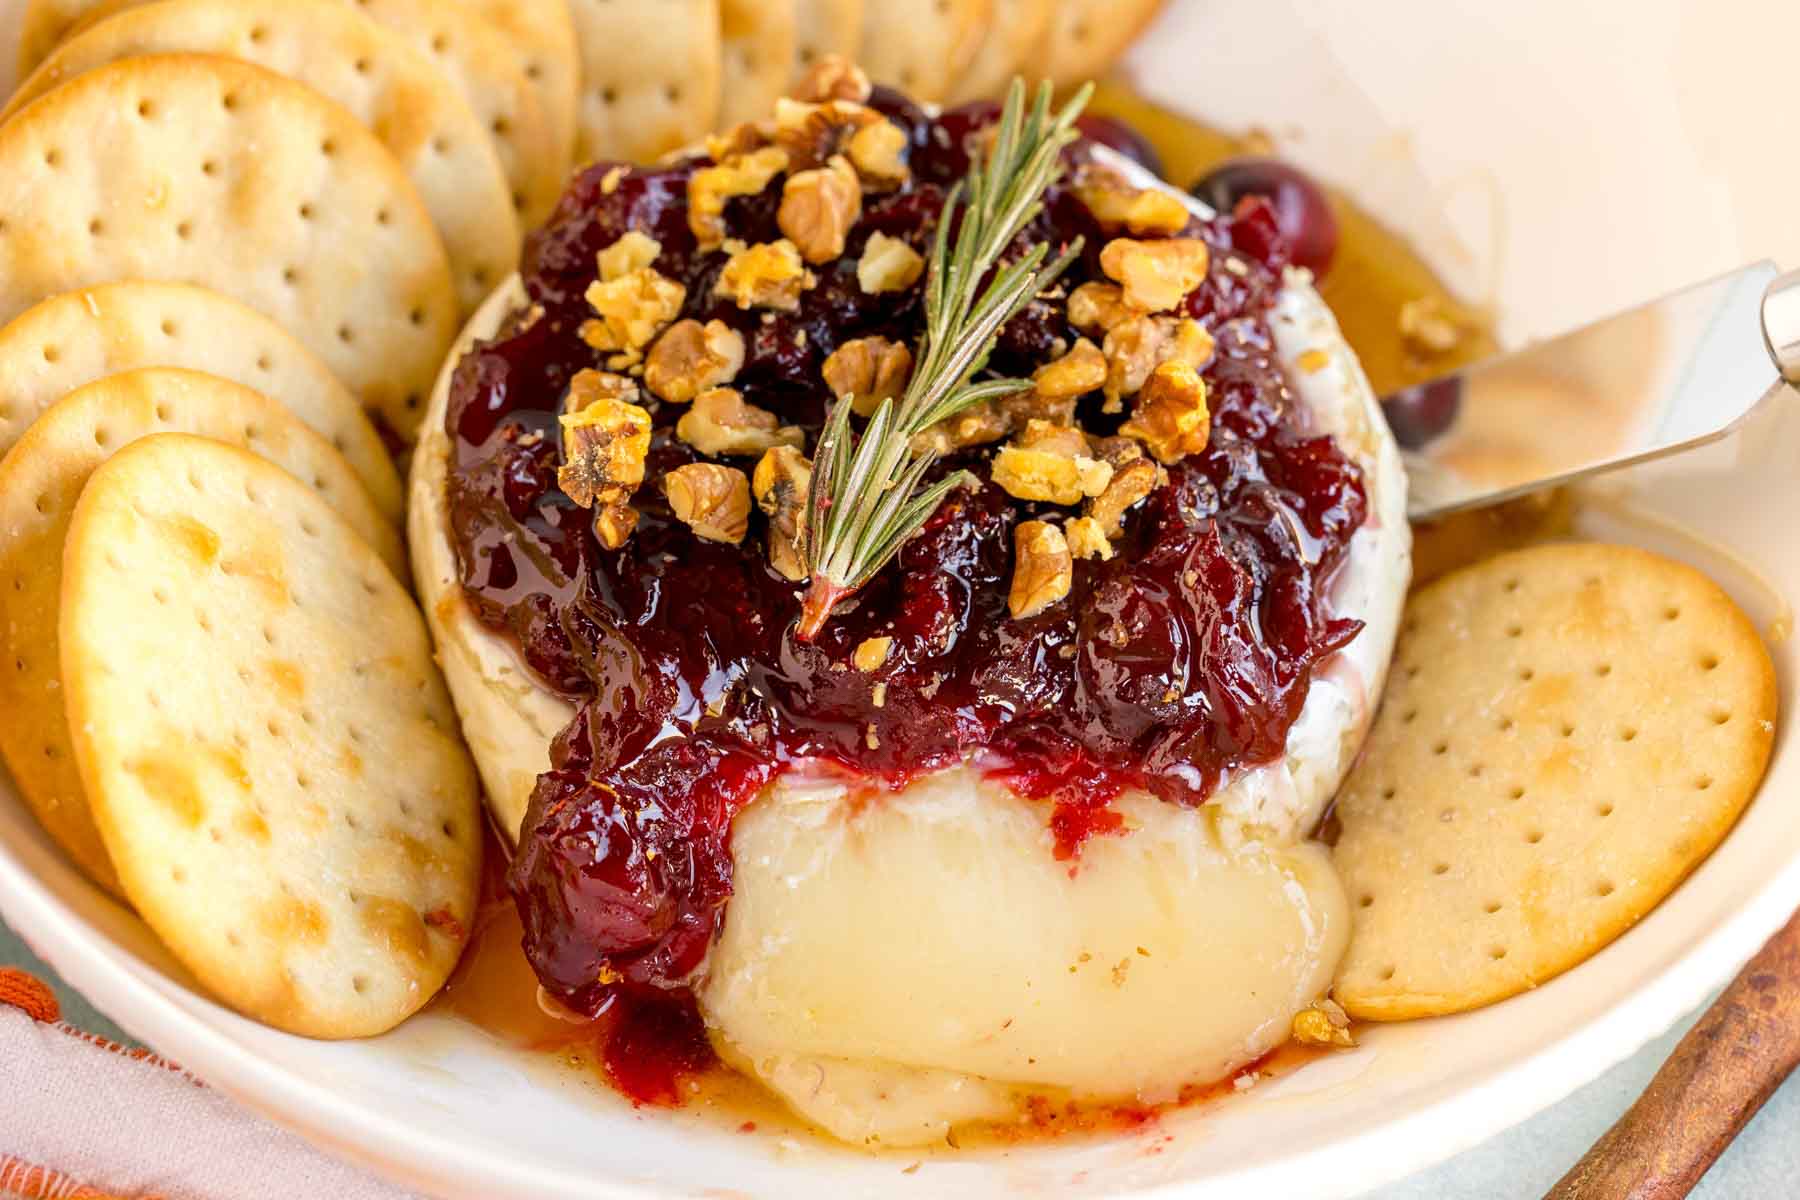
(1373, 277)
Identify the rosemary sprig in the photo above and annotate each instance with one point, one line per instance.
(866, 497)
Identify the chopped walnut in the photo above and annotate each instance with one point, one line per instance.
(818, 207)
(878, 152)
(833, 77)
(1114, 201)
(1427, 328)
(1155, 276)
(974, 426)
(888, 265)
(1171, 418)
(1042, 569)
(710, 188)
(631, 299)
(589, 387)
(868, 370)
(721, 423)
(741, 138)
(1097, 307)
(871, 653)
(782, 478)
(690, 357)
(1141, 344)
(1323, 1024)
(1052, 463)
(1080, 371)
(1132, 480)
(1087, 539)
(812, 133)
(1117, 450)
(766, 275)
(605, 443)
(712, 500)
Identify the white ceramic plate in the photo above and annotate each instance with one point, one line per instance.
(1589, 192)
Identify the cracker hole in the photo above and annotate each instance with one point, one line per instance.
(1440, 868)
(383, 216)
(439, 43)
(51, 354)
(673, 92)
(203, 621)
(1628, 734)
(303, 781)
(52, 157)
(309, 527)
(1491, 907)
(160, 595)
(268, 633)
(1603, 809)
(178, 874)
(306, 212)
(184, 230)
(1506, 724)
(501, 127)
(1534, 837)
(440, 146)
(274, 729)
(1440, 749)
(101, 437)
(146, 109)
(417, 317)
(1496, 952)
(1568, 730)
(1365, 901)
(290, 276)
(215, 833)
(1671, 613)
(1476, 770)
(534, 71)
(1386, 974)
(1703, 783)
(361, 66)
(229, 101)
(162, 414)
(328, 147)
(1709, 662)
(608, 95)
(1513, 631)
(265, 363)
(308, 717)
(1719, 716)
(233, 939)
(1603, 889)
(1526, 675)
(1409, 716)
(1388, 793)
(257, 34)
(345, 334)
(351, 822)
(244, 675)
(1603, 670)
(96, 227)
(1510, 586)
(449, 831)
(359, 984)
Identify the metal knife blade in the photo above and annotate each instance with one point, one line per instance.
(1655, 380)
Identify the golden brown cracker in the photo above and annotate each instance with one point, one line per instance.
(1015, 33)
(269, 750)
(404, 98)
(824, 27)
(76, 338)
(204, 170)
(660, 96)
(40, 481)
(1568, 731)
(1087, 36)
(756, 48)
(542, 35)
(922, 46)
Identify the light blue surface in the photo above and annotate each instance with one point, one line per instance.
(1521, 1163)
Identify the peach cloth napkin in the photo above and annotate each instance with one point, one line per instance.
(82, 1118)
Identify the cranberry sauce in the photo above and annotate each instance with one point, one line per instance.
(1184, 657)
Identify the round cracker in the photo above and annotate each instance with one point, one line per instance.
(75, 338)
(206, 170)
(1015, 33)
(663, 94)
(404, 98)
(922, 46)
(1087, 36)
(823, 27)
(44, 24)
(40, 481)
(1568, 731)
(542, 35)
(266, 742)
(756, 48)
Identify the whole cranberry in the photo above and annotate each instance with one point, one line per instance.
(1117, 135)
(1422, 412)
(1301, 207)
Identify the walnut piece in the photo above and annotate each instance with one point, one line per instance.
(766, 275)
(888, 265)
(973, 426)
(812, 133)
(741, 138)
(1087, 539)
(631, 299)
(1427, 328)
(1113, 200)
(1132, 480)
(1042, 569)
(1155, 276)
(833, 77)
(1171, 417)
(818, 207)
(720, 423)
(710, 188)
(780, 484)
(613, 524)
(1141, 344)
(878, 152)
(868, 370)
(871, 653)
(605, 442)
(1097, 307)
(690, 357)
(1050, 463)
(590, 386)
(712, 500)
(1080, 371)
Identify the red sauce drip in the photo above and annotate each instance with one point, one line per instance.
(1183, 659)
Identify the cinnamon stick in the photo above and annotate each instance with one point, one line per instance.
(1731, 1061)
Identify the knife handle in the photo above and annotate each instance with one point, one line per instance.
(1731, 1061)
(1781, 324)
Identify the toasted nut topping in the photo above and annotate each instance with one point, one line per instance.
(690, 357)
(709, 188)
(741, 138)
(1080, 371)
(1042, 570)
(974, 426)
(721, 423)
(1171, 417)
(878, 151)
(1427, 328)
(1141, 344)
(888, 265)
(1117, 450)
(1323, 1024)
(1131, 482)
(833, 77)
(1087, 539)
(871, 653)
(1155, 276)
(1097, 307)
(605, 442)
(869, 370)
(1052, 463)
(613, 524)
(590, 386)
(782, 478)
(812, 133)
(712, 500)
(766, 275)
(818, 207)
(1114, 201)
(632, 300)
